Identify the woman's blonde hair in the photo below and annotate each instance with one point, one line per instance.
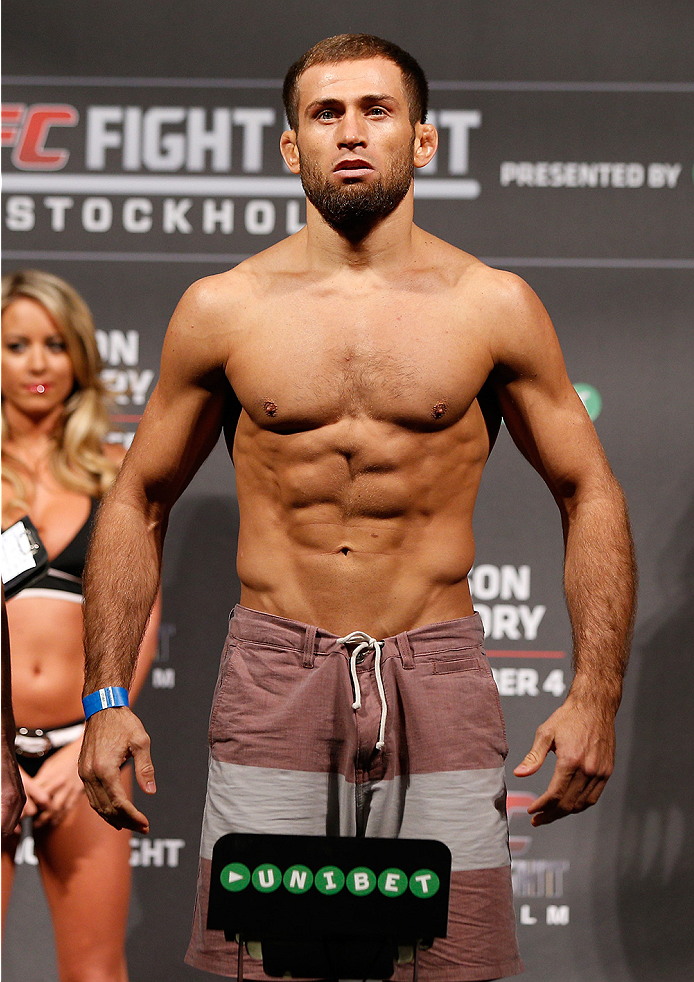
(77, 459)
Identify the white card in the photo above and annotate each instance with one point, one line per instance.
(17, 552)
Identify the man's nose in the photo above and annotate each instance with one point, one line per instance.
(353, 131)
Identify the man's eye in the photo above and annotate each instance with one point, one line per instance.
(378, 111)
(326, 114)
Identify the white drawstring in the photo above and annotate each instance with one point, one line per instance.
(382, 693)
(365, 643)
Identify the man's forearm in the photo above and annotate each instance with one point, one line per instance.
(121, 582)
(600, 582)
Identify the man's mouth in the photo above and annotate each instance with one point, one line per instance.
(354, 168)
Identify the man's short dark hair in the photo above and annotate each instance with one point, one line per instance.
(357, 47)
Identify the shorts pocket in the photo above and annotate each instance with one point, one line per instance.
(456, 665)
(497, 699)
(222, 676)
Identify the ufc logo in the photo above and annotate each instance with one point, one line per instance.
(26, 129)
(517, 803)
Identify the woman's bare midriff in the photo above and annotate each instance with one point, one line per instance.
(47, 661)
(46, 633)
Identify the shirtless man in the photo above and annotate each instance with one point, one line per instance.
(371, 362)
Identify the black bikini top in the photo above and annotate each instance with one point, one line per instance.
(64, 573)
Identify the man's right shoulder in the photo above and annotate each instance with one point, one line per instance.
(232, 290)
(216, 312)
(218, 294)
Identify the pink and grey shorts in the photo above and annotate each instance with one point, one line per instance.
(311, 734)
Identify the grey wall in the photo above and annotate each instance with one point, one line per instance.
(600, 897)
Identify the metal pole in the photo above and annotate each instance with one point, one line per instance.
(239, 964)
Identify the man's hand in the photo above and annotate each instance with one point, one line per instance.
(583, 739)
(111, 736)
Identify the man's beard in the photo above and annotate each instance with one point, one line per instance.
(354, 209)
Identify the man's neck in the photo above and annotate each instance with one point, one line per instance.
(389, 243)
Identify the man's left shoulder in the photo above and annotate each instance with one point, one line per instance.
(498, 287)
(504, 300)
(471, 275)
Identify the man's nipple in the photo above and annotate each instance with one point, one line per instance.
(270, 408)
(439, 410)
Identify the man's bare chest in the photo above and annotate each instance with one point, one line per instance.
(411, 362)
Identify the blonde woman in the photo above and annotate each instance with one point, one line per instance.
(55, 468)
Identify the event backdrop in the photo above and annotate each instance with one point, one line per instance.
(140, 153)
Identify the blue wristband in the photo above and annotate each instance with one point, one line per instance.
(113, 695)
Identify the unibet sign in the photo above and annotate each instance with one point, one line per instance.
(330, 880)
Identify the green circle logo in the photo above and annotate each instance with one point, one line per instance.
(329, 880)
(590, 397)
(235, 877)
(266, 877)
(392, 882)
(298, 879)
(361, 881)
(424, 883)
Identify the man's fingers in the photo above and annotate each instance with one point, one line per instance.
(565, 787)
(560, 789)
(102, 795)
(591, 793)
(101, 803)
(129, 817)
(107, 796)
(121, 813)
(569, 792)
(144, 769)
(110, 738)
(535, 758)
(578, 798)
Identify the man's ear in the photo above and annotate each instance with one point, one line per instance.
(289, 150)
(426, 142)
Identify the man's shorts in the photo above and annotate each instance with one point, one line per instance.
(290, 755)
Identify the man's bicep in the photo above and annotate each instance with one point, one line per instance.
(543, 413)
(173, 439)
(183, 418)
(554, 432)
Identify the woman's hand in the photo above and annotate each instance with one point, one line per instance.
(36, 798)
(58, 786)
